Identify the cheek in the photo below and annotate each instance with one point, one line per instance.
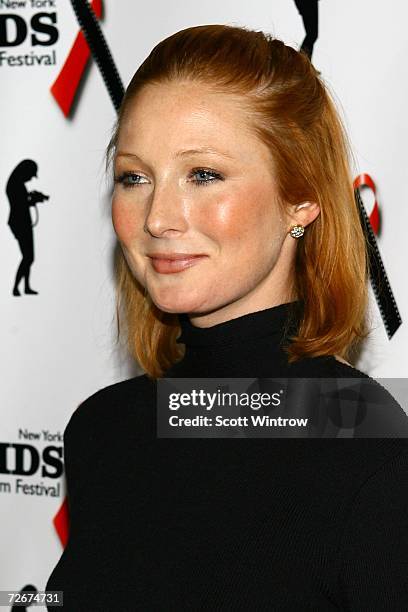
(125, 222)
(246, 219)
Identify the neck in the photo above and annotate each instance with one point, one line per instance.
(245, 345)
(239, 308)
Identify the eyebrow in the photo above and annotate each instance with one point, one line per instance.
(183, 153)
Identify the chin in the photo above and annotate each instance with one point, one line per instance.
(178, 303)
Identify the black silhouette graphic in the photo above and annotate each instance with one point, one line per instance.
(309, 11)
(20, 219)
(29, 588)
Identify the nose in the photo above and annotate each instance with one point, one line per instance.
(166, 213)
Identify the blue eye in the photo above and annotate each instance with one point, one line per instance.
(128, 175)
(204, 171)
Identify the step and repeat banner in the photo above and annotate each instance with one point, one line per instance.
(56, 237)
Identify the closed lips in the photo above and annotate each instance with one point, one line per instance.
(174, 263)
(175, 256)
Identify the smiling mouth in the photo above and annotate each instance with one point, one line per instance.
(173, 266)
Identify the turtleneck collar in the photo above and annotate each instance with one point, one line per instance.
(252, 345)
(275, 320)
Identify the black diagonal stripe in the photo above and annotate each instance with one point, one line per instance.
(379, 280)
(99, 50)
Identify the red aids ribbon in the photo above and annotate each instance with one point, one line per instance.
(61, 522)
(66, 84)
(365, 180)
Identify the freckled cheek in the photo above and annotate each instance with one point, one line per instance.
(126, 222)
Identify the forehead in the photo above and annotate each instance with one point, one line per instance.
(185, 115)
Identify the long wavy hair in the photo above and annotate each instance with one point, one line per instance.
(292, 111)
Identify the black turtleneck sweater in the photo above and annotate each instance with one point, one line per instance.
(165, 525)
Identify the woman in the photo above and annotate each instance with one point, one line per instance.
(20, 220)
(234, 209)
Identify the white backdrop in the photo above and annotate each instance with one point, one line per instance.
(57, 347)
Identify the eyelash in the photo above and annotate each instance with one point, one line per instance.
(121, 178)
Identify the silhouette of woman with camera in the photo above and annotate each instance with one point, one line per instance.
(20, 219)
(309, 11)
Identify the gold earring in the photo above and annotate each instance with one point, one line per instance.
(297, 231)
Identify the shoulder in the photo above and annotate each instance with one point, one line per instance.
(102, 400)
(358, 404)
(378, 414)
(126, 389)
(112, 407)
(325, 366)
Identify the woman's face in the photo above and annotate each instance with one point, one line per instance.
(172, 196)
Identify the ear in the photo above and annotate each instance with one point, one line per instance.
(303, 213)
